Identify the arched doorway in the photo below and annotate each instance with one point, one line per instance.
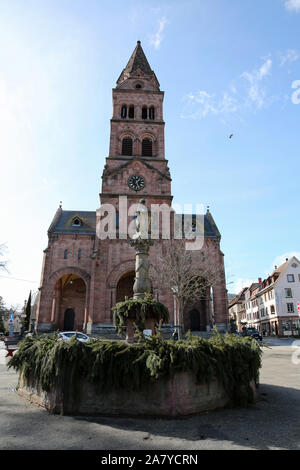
(69, 319)
(194, 320)
(125, 286)
(70, 303)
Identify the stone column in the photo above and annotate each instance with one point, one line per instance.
(142, 284)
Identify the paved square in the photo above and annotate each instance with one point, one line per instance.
(272, 423)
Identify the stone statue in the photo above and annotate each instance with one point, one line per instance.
(141, 243)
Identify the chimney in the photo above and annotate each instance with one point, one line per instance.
(259, 280)
(275, 267)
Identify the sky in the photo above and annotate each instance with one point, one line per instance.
(226, 66)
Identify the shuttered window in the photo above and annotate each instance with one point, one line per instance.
(127, 146)
(147, 148)
(131, 112)
(124, 112)
(144, 113)
(151, 113)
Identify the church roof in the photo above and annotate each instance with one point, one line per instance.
(81, 222)
(84, 222)
(137, 63)
(210, 229)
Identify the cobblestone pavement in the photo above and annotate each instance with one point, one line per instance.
(272, 423)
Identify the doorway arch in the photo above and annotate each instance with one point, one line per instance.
(125, 286)
(69, 319)
(70, 298)
(194, 320)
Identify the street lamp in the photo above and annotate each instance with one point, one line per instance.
(211, 297)
(174, 289)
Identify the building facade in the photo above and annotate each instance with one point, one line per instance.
(237, 311)
(84, 275)
(272, 305)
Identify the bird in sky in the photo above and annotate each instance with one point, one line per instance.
(231, 135)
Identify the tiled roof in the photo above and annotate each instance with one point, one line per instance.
(63, 222)
(137, 61)
(279, 270)
(238, 298)
(210, 229)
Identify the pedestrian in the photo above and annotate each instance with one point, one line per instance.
(175, 335)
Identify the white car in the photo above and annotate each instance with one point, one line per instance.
(69, 334)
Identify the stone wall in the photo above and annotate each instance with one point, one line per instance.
(179, 396)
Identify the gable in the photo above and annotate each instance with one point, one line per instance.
(137, 164)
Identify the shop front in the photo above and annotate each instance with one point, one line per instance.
(289, 327)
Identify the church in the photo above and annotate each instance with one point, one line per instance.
(84, 275)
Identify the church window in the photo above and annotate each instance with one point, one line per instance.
(76, 221)
(138, 85)
(147, 148)
(79, 253)
(124, 112)
(65, 254)
(127, 146)
(131, 112)
(151, 113)
(144, 113)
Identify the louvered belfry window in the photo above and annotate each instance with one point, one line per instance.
(124, 112)
(127, 146)
(151, 113)
(147, 148)
(131, 112)
(144, 113)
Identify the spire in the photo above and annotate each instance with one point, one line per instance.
(211, 219)
(137, 65)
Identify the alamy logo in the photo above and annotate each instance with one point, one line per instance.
(296, 353)
(296, 94)
(157, 221)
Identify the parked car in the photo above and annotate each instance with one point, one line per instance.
(67, 335)
(254, 333)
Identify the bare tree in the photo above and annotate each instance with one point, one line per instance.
(2, 312)
(3, 263)
(187, 274)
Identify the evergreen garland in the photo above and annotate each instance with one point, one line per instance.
(138, 310)
(112, 365)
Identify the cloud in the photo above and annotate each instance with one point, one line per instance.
(292, 5)
(156, 39)
(236, 98)
(198, 104)
(240, 283)
(291, 55)
(279, 260)
(132, 16)
(256, 93)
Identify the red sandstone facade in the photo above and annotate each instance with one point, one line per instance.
(83, 276)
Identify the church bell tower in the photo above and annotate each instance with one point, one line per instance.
(136, 166)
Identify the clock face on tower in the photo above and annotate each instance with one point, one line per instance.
(136, 182)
